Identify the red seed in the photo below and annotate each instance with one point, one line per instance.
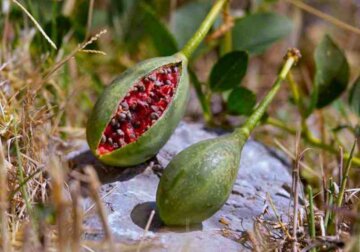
(147, 100)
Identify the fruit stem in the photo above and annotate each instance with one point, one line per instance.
(292, 56)
(205, 26)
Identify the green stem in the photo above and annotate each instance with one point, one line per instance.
(294, 89)
(346, 176)
(311, 217)
(22, 184)
(328, 215)
(226, 43)
(309, 138)
(205, 26)
(205, 106)
(296, 92)
(292, 56)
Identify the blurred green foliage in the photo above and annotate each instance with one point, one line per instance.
(139, 29)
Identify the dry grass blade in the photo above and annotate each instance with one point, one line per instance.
(72, 54)
(77, 215)
(102, 198)
(4, 242)
(94, 185)
(324, 16)
(254, 241)
(295, 189)
(146, 230)
(89, 20)
(20, 173)
(57, 174)
(285, 230)
(287, 152)
(228, 23)
(93, 51)
(36, 23)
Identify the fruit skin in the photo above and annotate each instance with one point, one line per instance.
(149, 143)
(195, 184)
(198, 181)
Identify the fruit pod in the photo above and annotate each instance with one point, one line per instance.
(195, 184)
(199, 179)
(138, 112)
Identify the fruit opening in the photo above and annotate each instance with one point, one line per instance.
(141, 107)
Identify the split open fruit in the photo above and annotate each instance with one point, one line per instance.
(136, 115)
(138, 112)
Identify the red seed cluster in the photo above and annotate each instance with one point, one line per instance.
(142, 106)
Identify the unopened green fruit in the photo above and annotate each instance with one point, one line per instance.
(136, 115)
(198, 181)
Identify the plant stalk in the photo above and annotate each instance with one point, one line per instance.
(311, 216)
(292, 57)
(226, 43)
(328, 215)
(205, 105)
(205, 26)
(309, 138)
(346, 176)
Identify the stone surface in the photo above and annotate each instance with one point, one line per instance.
(129, 197)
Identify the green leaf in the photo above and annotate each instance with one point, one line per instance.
(332, 73)
(241, 101)
(228, 72)
(354, 97)
(163, 40)
(187, 19)
(256, 32)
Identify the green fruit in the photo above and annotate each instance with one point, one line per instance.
(145, 142)
(137, 113)
(195, 184)
(198, 181)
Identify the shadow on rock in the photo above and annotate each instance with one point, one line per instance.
(107, 174)
(141, 214)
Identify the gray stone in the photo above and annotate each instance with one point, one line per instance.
(129, 197)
